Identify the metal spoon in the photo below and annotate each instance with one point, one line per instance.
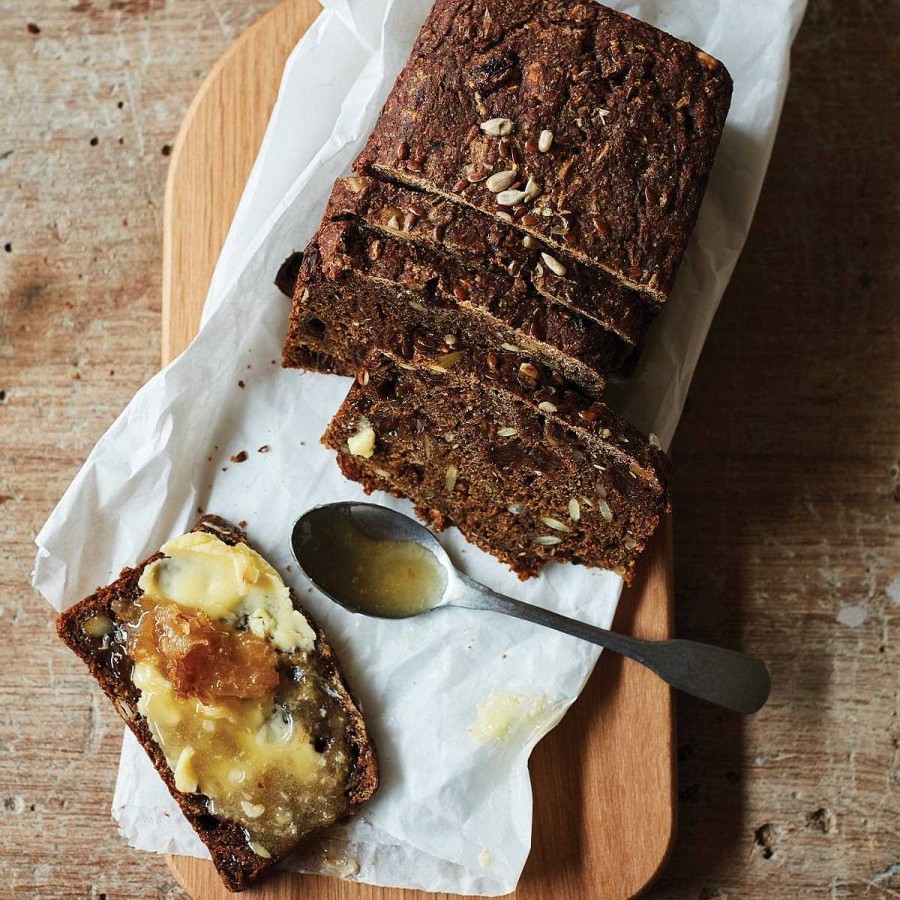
(733, 680)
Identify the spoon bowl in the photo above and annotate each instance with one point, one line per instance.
(357, 552)
(379, 562)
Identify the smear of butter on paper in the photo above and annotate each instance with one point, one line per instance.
(503, 713)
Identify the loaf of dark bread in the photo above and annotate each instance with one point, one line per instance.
(354, 284)
(600, 129)
(105, 651)
(526, 466)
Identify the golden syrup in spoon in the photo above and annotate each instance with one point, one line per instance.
(391, 579)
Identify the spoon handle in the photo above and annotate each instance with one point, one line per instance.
(734, 680)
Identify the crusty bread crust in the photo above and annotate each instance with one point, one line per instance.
(237, 865)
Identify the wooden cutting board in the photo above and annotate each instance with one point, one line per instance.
(604, 779)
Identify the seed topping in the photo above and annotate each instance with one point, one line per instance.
(605, 511)
(555, 524)
(498, 127)
(554, 265)
(532, 189)
(511, 197)
(500, 181)
(450, 478)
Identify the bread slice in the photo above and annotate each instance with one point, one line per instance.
(354, 283)
(485, 242)
(609, 125)
(526, 466)
(322, 712)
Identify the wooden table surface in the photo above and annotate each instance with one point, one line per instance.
(787, 460)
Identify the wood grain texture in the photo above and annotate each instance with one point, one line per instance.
(787, 460)
(604, 781)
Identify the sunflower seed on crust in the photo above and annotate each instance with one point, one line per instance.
(498, 127)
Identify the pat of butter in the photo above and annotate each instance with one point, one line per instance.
(228, 583)
(505, 712)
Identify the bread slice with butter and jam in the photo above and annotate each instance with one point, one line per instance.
(233, 692)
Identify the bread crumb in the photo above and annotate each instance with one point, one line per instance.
(239, 457)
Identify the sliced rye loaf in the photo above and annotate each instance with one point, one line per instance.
(95, 629)
(483, 241)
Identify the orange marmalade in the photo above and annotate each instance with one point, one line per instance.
(202, 658)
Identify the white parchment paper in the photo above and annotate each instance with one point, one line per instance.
(453, 813)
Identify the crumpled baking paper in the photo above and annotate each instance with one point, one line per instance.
(454, 811)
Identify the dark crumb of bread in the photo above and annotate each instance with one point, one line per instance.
(110, 664)
(355, 283)
(287, 274)
(525, 465)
